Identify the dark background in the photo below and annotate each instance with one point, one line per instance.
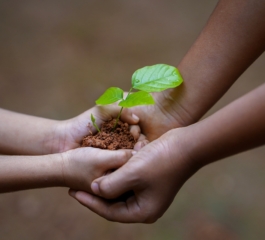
(57, 57)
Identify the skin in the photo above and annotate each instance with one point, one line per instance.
(29, 135)
(225, 41)
(176, 155)
(73, 169)
(232, 39)
(64, 163)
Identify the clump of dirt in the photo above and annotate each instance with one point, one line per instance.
(109, 138)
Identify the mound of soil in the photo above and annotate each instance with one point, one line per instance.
(107, 138)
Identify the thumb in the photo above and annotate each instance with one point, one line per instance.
(129, 117)
(113, 185)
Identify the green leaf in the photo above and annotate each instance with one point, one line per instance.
(137, 98)
(156, 78)
(93, 118)
(94, 122)
(111, 95)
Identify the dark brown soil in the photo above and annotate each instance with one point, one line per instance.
(107, 138)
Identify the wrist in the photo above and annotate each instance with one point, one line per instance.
(29, 172)
(56, 169)
(199, 149)
(74, 170)
(174, 102)
(52, 140)
(65, 167)
(182, 143)
(177, 105)
(46, 170)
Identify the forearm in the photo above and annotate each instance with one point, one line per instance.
(25, 135)
(238, 127)
(28, 172)
(231, 40)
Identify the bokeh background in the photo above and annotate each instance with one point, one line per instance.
(57, 57)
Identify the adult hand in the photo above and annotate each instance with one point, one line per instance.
(206, 68)
(154, 174)
(167, 113)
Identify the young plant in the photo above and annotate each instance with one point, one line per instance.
(148, 79)
(93, 120)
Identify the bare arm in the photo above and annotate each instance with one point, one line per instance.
(24, 134)
(28, 135)
(28, 172)
(73, 169)
(232, 39)
(176, 156)
(238, 127)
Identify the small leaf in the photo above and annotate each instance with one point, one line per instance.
(93, 118)
(156, 78)
(94, 122)
(111, 95)
(137, 98)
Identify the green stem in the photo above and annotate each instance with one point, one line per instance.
(96, 126)
(129, 93)
(117, 119)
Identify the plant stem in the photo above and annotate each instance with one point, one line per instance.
(93, 120)
(129, 93)
(96, 126)
(117, 119)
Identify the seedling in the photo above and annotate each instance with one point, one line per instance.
(148, 79)
(93, 120)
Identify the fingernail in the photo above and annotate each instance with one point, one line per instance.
(134, 152)
(137, 146)
(135, 117)
(95, 188)
(72, 193)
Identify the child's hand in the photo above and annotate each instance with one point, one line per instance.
(68, 134)
(81, 166)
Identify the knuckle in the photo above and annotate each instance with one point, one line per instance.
(105, 188)
(122, 156)
(135, 128)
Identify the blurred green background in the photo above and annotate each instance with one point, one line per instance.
(57, 57)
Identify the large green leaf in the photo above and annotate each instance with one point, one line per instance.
(156, 78)
(137, 98)
(111, 95)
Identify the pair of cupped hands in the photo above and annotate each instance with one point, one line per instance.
(153, 171)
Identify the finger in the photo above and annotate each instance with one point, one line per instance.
(142, 137)
(115, 184)
(129, 117)
(135, 131)
(112, 111)
(107, 112)
(140, 144)
(124, 212)
(114, 159)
